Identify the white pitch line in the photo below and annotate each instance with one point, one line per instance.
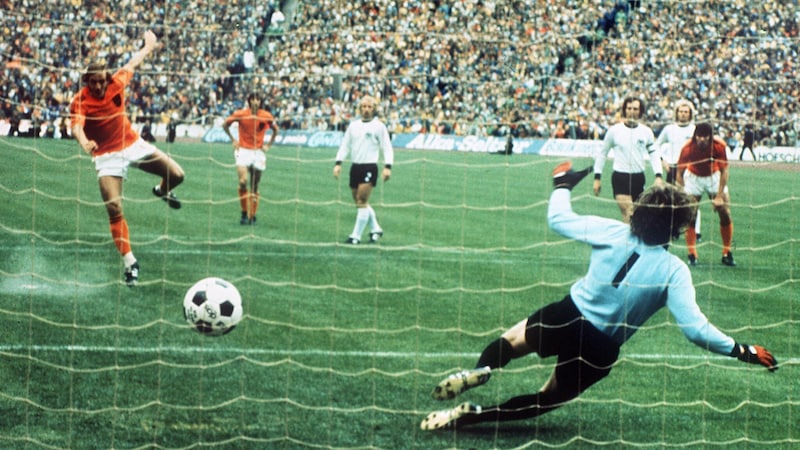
(309, 352)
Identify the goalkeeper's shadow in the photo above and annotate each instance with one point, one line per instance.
(524, 430)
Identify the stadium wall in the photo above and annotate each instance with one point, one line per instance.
(423, 141)
(488, 144)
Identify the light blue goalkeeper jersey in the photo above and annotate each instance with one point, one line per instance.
(628, 281)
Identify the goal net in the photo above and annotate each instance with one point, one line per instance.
(341, 345)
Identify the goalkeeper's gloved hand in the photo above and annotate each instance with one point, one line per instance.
(565, 177)
(755, 354)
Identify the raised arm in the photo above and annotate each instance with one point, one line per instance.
(150, 44)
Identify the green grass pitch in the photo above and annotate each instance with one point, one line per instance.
(341, 346)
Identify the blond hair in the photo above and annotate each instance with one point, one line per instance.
(95, 67)
(681, 103)
(368, 99)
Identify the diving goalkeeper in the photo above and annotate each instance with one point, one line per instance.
(631, 275)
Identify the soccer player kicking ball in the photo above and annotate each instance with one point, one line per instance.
(631, 275)
(102, 128)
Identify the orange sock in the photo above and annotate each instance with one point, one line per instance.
(726, 231)
(119, 232)
(691, 241)
(254, 197)
(243, 197)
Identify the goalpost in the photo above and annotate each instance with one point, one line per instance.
(340, 347)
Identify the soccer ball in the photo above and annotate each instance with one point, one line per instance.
(212, 306)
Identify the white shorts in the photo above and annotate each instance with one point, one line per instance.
(698, 186)
(247, 157)
(116, 164)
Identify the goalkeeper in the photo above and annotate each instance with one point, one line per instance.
(631, 276)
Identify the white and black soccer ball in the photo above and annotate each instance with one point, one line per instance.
(212, 306)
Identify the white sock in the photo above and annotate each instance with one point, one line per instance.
(361, 222)
(697, 223)
(128, 259)
(373, 221)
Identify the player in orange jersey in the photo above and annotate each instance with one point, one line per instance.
(250, 151)
(703, 170)
(102, 128)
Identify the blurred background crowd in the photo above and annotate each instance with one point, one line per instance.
(530, 68)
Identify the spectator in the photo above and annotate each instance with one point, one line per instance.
(563, 57)
(748, 141)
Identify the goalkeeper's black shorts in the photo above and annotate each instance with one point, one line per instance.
(585, 354)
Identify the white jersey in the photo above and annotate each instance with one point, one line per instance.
(633, 147)
(672, 139)
(364, 141)
(628, 280)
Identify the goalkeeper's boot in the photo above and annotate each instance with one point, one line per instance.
(374, 236)
(459, 382)
(565, 177)
(169, 197)
(727, 259)
(448, 418)
(132, 274)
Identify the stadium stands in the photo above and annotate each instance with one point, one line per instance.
(536, 68)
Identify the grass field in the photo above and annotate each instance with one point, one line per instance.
(341, 346)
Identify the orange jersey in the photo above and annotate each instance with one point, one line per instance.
(703, 163)
(104, 119)
(252, 128)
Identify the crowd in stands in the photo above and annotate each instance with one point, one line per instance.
(532, 68)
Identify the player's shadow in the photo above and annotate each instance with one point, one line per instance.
(522, 430)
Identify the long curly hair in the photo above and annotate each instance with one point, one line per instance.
(662, 213)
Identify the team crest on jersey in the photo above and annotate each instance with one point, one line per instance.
(117, 100)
